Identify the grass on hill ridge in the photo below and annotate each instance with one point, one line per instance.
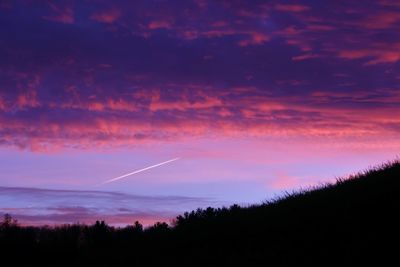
(353, 221)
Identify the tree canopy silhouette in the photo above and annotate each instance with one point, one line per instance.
(353, 221)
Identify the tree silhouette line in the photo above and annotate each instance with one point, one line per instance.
(354, 221)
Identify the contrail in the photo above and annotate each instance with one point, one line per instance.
(141, 170)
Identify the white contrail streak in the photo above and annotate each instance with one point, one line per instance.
(141, 170)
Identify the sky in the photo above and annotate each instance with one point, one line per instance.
(255, 98)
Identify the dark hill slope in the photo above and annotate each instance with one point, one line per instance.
(351, 222)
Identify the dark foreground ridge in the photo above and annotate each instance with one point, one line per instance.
(353, 221)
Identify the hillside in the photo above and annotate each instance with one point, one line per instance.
(350, 222)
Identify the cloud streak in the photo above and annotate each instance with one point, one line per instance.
(89, 77)
(139, 171)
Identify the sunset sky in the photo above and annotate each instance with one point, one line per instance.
(254, 97)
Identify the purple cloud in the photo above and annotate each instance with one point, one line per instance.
(35, 206)
(80, 75)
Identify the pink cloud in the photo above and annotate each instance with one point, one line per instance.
(114, 121)
(254, 38)
(218, 33)
(286, 182)
(383, 96)
(290, 31)
(259, 121)
(304, 57)
(292, 82)
(2, 103)
(354, 54)
(205, 103)
(95, 105)
(291, 8)
(159, 24)
(381, 21)
(320, 27)
(108, 16)
(248, 37)
(376, 54)
(190, 34)
(27, 100)
(61, 14)
(219, 23)
(390, 3)
(296, 37)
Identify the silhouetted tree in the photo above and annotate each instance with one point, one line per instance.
(8, 221)
(138, 227)
(351, 222)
